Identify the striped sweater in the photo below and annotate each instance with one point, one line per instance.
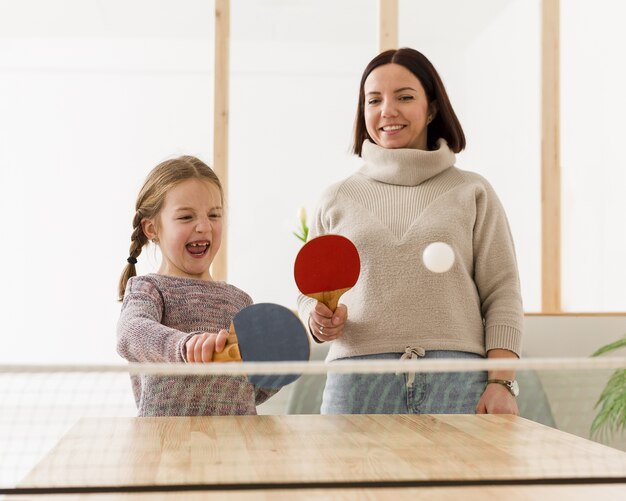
(399, 202)
(159, 315)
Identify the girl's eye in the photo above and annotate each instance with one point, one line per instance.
(215, 216)
(373, 101)
(184, 218)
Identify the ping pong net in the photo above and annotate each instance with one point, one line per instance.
(349, 424)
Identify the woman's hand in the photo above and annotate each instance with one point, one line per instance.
(200, 348)
(326, 325)
(496, 399)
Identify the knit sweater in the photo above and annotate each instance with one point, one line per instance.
(159, 315)
(399, 202)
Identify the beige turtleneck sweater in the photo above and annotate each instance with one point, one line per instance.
(399, 202)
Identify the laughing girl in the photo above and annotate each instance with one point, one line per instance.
(180, 314)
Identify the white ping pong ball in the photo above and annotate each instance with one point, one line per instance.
(438, 257)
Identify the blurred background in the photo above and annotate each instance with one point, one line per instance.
(95, 93)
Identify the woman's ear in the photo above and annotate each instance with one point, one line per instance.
(149, 228)
(433, 108)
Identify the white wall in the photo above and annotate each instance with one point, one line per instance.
(594, 173)
(94, 94)
(86, 110)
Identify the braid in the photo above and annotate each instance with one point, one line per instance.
(137, 240)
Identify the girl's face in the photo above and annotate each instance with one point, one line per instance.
(189, 229)
(397, 111)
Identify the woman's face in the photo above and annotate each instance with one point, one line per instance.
(397, 111)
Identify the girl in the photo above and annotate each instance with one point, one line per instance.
(180, 314)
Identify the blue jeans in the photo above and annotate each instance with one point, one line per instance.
(430, 392)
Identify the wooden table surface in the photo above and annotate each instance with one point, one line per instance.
(437, 456)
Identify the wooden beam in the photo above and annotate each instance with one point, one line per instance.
(387, 25)
(219, 267)
(550, 159)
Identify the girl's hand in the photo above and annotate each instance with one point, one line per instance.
(326, 325)
(496, 399)
(200, 348)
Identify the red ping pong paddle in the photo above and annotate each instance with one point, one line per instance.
(326, 267)
(266, 332)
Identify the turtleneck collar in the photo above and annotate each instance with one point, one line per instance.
(405, 166)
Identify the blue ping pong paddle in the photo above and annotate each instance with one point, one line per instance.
(266, 332)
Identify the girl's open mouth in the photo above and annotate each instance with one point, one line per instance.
(198, 249)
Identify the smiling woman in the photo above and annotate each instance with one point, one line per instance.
(396, 117)
(407, 196)
(397, 109)
(404, 104)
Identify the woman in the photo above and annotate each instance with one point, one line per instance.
(407, 195)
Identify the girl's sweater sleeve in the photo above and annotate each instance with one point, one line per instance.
(140, 335)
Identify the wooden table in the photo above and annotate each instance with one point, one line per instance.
(338, 457)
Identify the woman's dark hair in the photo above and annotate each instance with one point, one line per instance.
(445, 123)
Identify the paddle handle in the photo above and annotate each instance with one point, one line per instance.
(231, 352)
(329, 298)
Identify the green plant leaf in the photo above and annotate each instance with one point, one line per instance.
(620, 343)
(300, 237)
(611, 417)
(304, 228)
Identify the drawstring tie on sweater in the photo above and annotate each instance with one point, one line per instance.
(412, 354)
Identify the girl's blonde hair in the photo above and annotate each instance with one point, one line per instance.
(150, 201)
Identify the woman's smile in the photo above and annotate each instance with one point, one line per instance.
(392, 129)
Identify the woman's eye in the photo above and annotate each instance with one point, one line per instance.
(373, 101)
(184, 218)
(406, 98)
